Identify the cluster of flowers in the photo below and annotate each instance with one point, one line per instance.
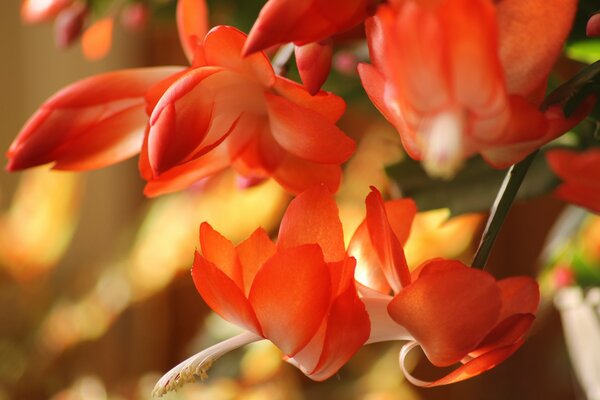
(455, 78)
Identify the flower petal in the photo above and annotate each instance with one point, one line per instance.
(252, 254)
(291, 295)
(313, 218)
(192, 24)
(223, 47)
(520, 295)
(449, 309)
(386, 244)
(314, 62)
(296, 175)
(325, 103)
(220, 251)
(307, 134)
(223, 295)
(472, 368)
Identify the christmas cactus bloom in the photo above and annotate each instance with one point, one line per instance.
(580, 175)
(310, 25)
(229, 110)
(298, 293)
(456, 314)
(477, 87)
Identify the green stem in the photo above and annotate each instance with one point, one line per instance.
(506, 196)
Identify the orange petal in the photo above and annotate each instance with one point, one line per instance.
(313, 218)
(506, 333)
(296, 175)
(386, 244)
(220, 251)
(185, 175)
(223, 47)
(520, 295)
(368, 270)
(314, 63)
(223, 295)
(252, 254)
(180, 121)
(192, 24)
(325, 103)
(546, 25)
(73, 114)
(448, 309)
(291, 295)
(97, 39)
(307, 134)
(469, 370)
(347, 329)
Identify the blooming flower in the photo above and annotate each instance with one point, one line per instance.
(223, 110)
(298, 293)
(466, 93)
(580, 173)
(202, 124)
(310, 25)
(454, 313)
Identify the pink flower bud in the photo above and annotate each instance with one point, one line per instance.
(134, 17)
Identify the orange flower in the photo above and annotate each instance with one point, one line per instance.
(580, 173)
(223, 110)
(298, 293)
(230, 110)
(455, 313)
(460, 77)
(309, 25)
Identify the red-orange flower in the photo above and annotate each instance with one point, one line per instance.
(460, 77)
(580, 173)
(455, 313)
(298, 293)
(230, 110)
(310, 25)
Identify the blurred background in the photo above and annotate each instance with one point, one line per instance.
(96, 299)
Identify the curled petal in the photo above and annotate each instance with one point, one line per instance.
(198, 364)
(520, 295)
(470, 369)
(192, 24)
(290, 294)
(313, 218)
(219, 250)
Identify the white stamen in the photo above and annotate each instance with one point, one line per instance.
(403, 354)
(199, 364)
(443, 144)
